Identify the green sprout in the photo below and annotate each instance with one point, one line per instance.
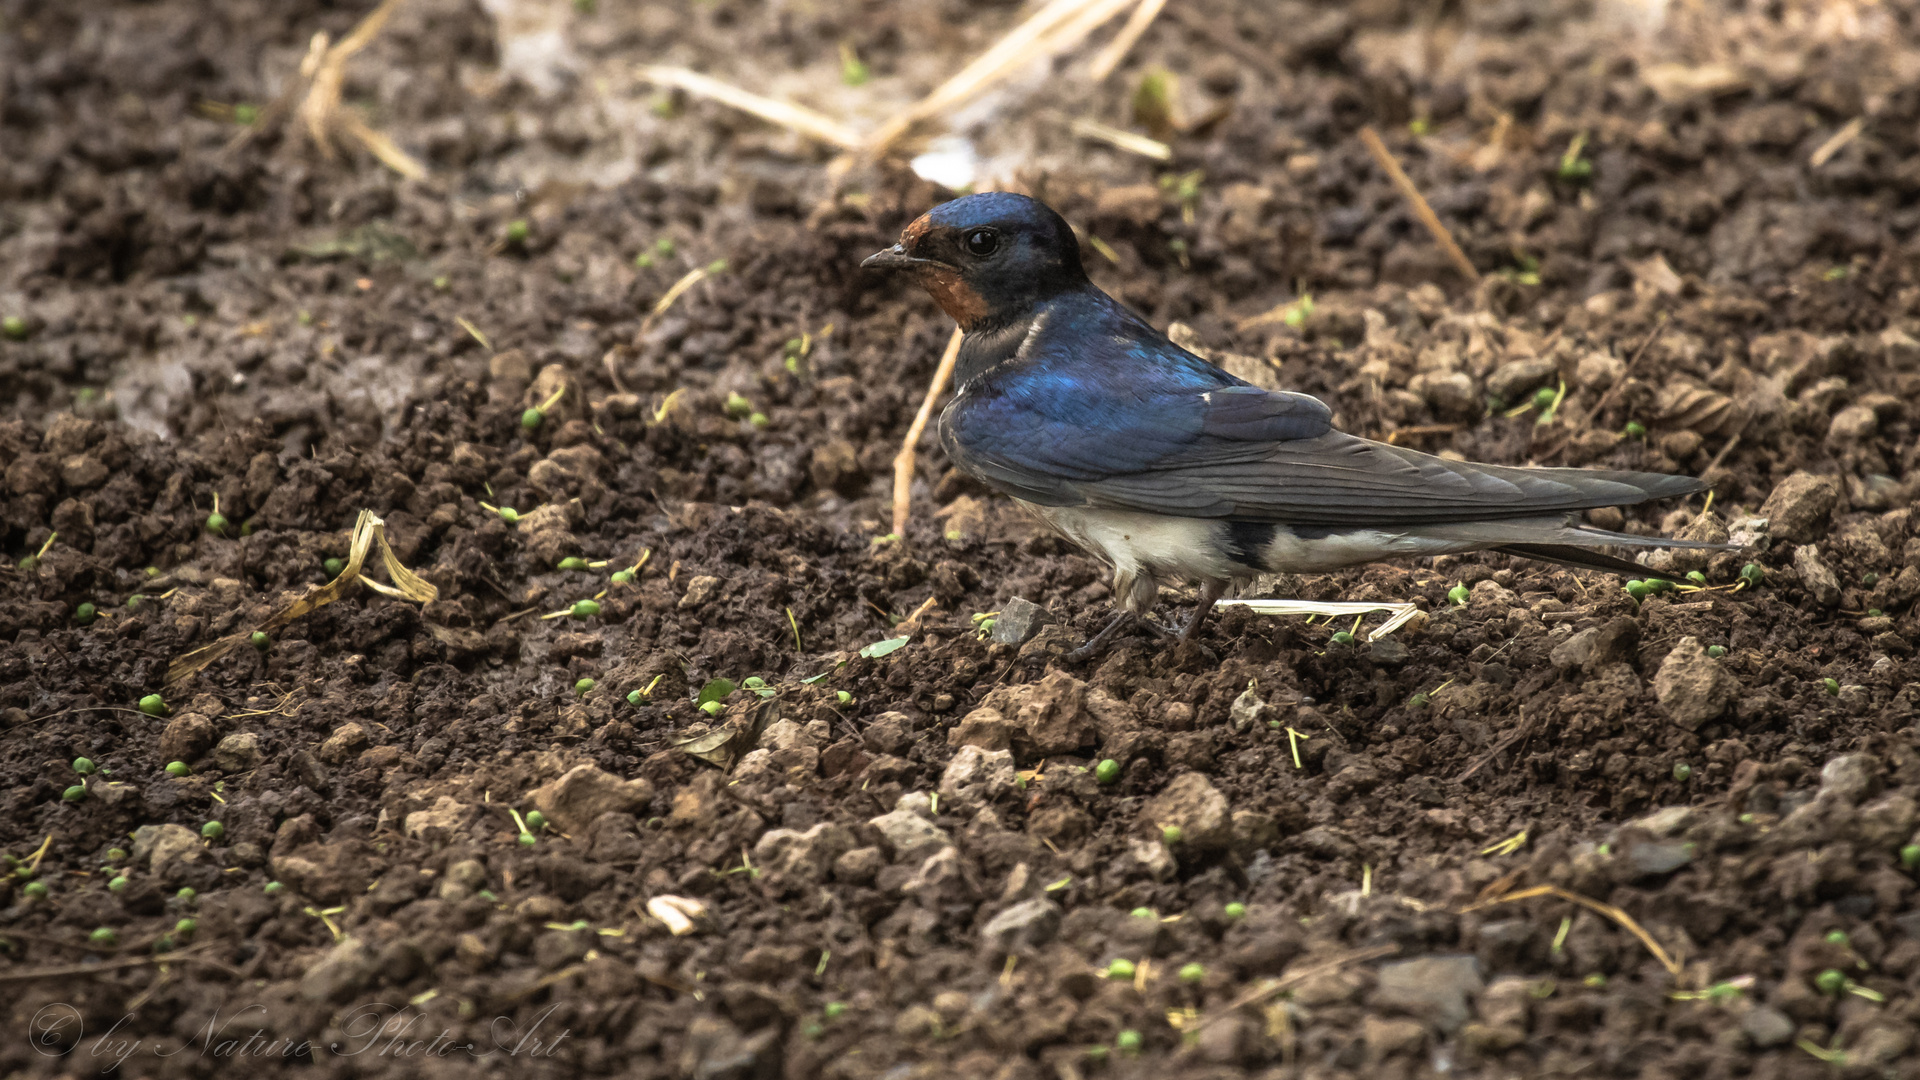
(527, 839)
(1682, 772)
(260, 640)
(583, 687)
(1341, 637)
(536, 820)
(186, 894)
(1120, 970)
(116, 854)
(1575, 169)
(571, 562)
(1752, 574)
(178, 768)
(1638, 589)
(1595, 981)
(713, 708)
(621, 577)
(1837, 937)
(75, 793)
(1634, 430)
(273, 888)
(84, 766)
(185, 927)
(134, 601)
(1910, 856)
(509, 515)
(1107, 772)
(14, 327)
(737, 406)
(517, 231)
(104, 937)
(1716, 651)
(853, 70)
(664, 247)
(85, 613)
(1830, 981)
(1192, 973)
(1173, 835)
(758, 420)
(584, 609)
(1419, 126)
(1832, 685)
(535, 416)
(834, 1010)
(35, 890)
(246, 113)
(1697, 577)
(1235, 910)
(843, 697)
(153, 705)
(216, 521)
(213, 830)
(118, 884)
(1297, 313)
(334, 567)
(1128, 1041)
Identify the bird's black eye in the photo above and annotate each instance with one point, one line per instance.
(982, 242)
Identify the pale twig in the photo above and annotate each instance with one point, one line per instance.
(1124, 41)
(903, 461)
(1418, 203)
(1625, 920)
(784, 114)
(1273, 987)
(320, 109)
(1122, 140)
(1838, 143)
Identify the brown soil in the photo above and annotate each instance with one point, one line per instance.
(285, 334)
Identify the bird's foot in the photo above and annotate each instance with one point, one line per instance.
(1101, 641)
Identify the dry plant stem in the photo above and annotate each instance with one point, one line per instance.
(1272, 987)
(784, 114)
(903, 461)
(1625, 920)
(1124, 41)
(1053, 28)
(1418, 203)
(1838, 143)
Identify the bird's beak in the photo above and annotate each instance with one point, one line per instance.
(894, 258)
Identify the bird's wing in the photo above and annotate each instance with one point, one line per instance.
(1250, 454)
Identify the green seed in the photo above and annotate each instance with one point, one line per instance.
(216, 522)
(163, 943)
(1173, 835)
(14, 327)
(509, 515)
(440, 283)
(643, 261)
(153, 705)
(664, 246)
(635, 697)
(178, 768)
(622, 577)
(753, 682)
(1872, 612)
(75, 793)
(1143, 913)
(583, 687)
(1638, 589)
(737, 406)
(527, 839)
(1716, 651)
(1128, 1041)
(334, 567)
(185, 927)
(1192, 973)
(488, 895)
(104, 937)
(536, 820)
(1120, 970)
(1696, 577)
(1682, 772)
(531, 419)
(30, 563)
(1753, 574)
(834, 1010)
(118, 884)
(1342, 637)
(1235, 910)
(714, 708)
(585, 609)
(245, 114)
(84, 614)
(517, 231)
(116, 854)
(1107, 772)
(273, 888)
(1910, 856)
(1594, 981)
(1830, 981)
(843, 697)
(1870, 579)
(571, 562)
(1837, 937)
(1543, 398)
(213, 830)
(260, 640)
(35, 890)
(134, 601)
(1635, 430)
(1458, 595)
(758, 420)
(1660, 585)
(1832, 685)
(186, 894)
(83, 766)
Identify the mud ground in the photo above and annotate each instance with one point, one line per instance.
(913, 866)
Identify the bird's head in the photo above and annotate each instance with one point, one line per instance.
(987, 258)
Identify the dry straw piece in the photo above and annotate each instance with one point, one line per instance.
(903, 461)
(368, 531)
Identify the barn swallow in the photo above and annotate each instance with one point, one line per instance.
(1165, 467)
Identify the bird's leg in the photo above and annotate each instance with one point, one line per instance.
(1098, 643)
(1209, 592)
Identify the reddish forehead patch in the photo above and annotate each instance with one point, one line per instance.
(920, 227)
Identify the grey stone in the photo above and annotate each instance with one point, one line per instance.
(1447, 393)
(446, 818)
(785, 735)
(1512, 380)
(1767, 1026)
(1650, 858)
(940, 880)
(1433, 988)
(1597, 646)
(238, 752)
(1019, 620)
(908, 834)
(1389, 651)
(158, 846)
(1798, 509)
(185, 738)
(347, 740)
(701, 591)
(1026, 925)
(1152, 858)
(1384, 1037)
(1197, 808)
(1850, 777)
(1692, 687)
(859, 866)
(1490, 598)
(1665, 822)
(1818, 578)
(804, 855)
(977, 775)
(1248, 712)
(344, 969)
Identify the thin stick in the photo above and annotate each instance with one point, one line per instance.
(1124, 41)
(1418, 203)
(1122, 140)
(100, 967)
(1272, 987)
(783, 113)
(1838, 143)
(903, 461)
(1625, 920)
